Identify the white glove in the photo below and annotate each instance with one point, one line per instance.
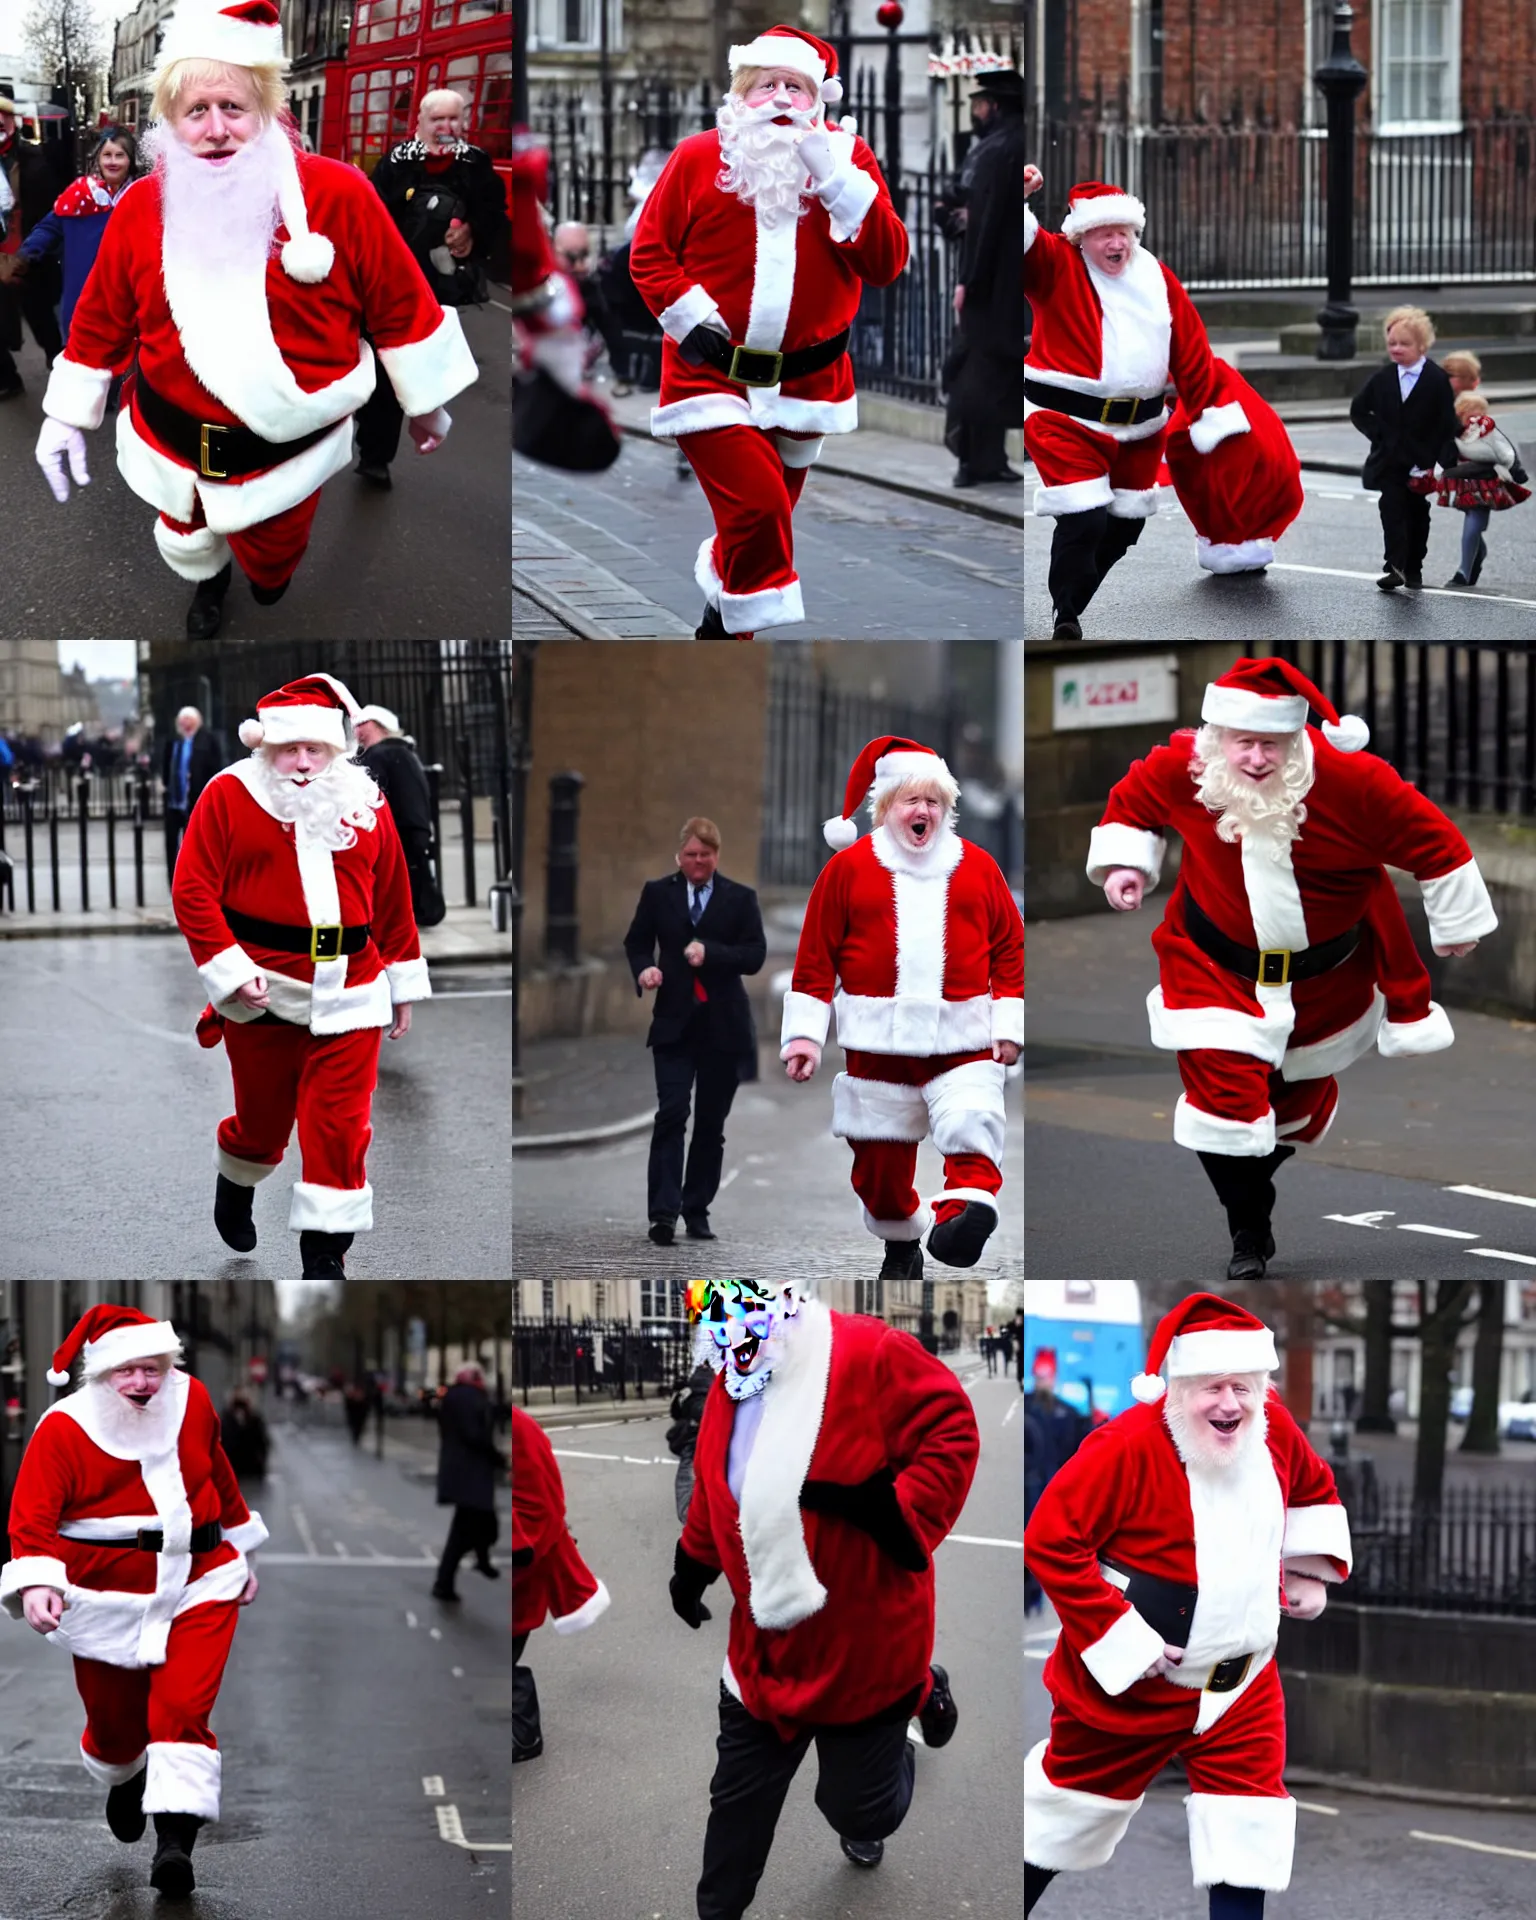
(55, 444)
(816, 154)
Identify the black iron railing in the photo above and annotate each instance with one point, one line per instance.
(599, 1359)
(1474, 1552)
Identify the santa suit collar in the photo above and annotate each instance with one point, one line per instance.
(936, 862)
(784, 1587)
(1269, 884)
(83, 1408)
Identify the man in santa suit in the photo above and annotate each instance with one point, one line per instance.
(914, 937)
(752, 251)
(293, 894)
(550, 1580)
(833, 1456)
(236, 280)
(129, 1541)
(1241, 496)
(1165, 1544)
(1284, 953)
(1112, 328)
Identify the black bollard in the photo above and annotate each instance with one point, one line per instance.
(562, 868)
(83, 802)
(1341, 79)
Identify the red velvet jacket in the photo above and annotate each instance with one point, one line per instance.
(556, 1584)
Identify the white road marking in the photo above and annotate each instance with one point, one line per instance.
(728, 1179)
(1331, 493)
(630, 1460)
(301, 1527)
(1012, 1410)
(450, 1828)
(319, 1560)
(1439, 593)
(1372, 1220)
(1445, 1233)
(341, 1548)
(1031, 1654)
(1043, 1633)
(432, 1785)
(410, 1618)
(571, 1453)
(1311, 1806)
(1493, 1253)
(481, 993)
(436, 1632)
(980, 1540)
(1492, 1193)
(1474, 1846)
(457, 1672)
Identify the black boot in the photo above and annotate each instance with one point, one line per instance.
(958, 1242)
(206, 614)
(711, 627)
(1074, 561)
(269, 596)
(940, 1716)
(1245, 1187)
(175, 1835)
(527, 1732)
(863, 1853)
(1036, 1880)
(232, 1214)
(903, 1260)
(322, 1254)
(125, 1809)
(1237, 1903)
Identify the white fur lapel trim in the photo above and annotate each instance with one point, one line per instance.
(322, 901)
(920, 901)
(784, 1589)
(937, 865)
(773, 287)
(1137, 330)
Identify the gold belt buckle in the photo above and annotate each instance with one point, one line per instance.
(206, 453)
(755, 353)
(1104, 419)
(1236, 1680)
(320, 942)
(1268, 978)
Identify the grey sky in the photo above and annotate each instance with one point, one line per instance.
(102, 659)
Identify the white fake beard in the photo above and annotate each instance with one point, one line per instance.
(329, 808)
(762, 164)
(1272, 813)
(219, 220)
(139, 1431)
(1202, 1454)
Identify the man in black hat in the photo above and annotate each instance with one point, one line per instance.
(986, 384)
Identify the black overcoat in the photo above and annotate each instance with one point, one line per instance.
(731, 929)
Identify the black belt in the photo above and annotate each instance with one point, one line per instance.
(1088, 406)
(1269, 966)
(752, 367)
(1167, 1606)
(327, 942)
(1228, 1675)
(152, 1540)
(217, 450)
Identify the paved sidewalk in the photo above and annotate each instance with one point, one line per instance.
(588, 600)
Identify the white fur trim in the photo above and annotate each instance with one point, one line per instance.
(207, 33)
(1134, 503)
(780, 50)
(77, 394)
(285, 726)
(105, 1773)
(848, 196)
(1349, 736)
(765, 407)
(839, 832)
(1217, 424)
(1247, 712)
(912, 1228)
(308, 258)
(1065, 1829)
(1221, 1350)
(32, 1570)
(1118, 1658)
(425, 374)
(1031, 226)
(343, 1011)
(877, 1110)
(1114, 844)
(769, 607)
(1233, 556)
(1073, 496)
(1457, 906)
(183, 1777)
(971, 1196)
(1148, 1388)
(408, 981)
(1397, 1038)
(1008, 1019)
(249, 1534)
(107, 1526)
(1104, 210)
(804, 1018)
(1207, 1133)
(773, 285)
(591, 1609)
(709, 582)
(197, 555)
(1340, 1050)
(1318, 1532)
(226, 972)
(122, 1344)
(689, 310)
(965, 1109)
(893, 770)
(1242, 1840)
(795, 454)
(922, 1028)
(251, 733)
(784, 1589)
(1183, 1029)
(228, 506)
(320, 1209)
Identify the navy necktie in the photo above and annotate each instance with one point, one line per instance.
(696, 911)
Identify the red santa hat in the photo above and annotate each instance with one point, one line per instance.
(1204, 1334)
(1045, 1365)
(249, 33)
(1093, 204)
(111, 1337)
(883, 765)
(317, 707)
(793, 47)
(1272, 696)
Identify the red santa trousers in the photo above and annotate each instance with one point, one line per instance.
(1228, 1098)
(887, 1102)
(752, 480)
(1082, 1787)
(162, 1712)
(284, 1073)
(1080, 469)
(269, 552)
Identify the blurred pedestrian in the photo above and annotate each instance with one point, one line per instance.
(986, 391)
(989, 1345)
(402, 780)
(640, 334)
(707, 932)
(30, 186)
(550, 1580)
(188, 762)
(354, 1409)
(573, 249)
(1017, 1343)
(74, 225)
(1053, 1432)
(450, 208)
(1407, 412)
(1480, 476)
(682, 1436)
(243, 1434)
(468, 1462)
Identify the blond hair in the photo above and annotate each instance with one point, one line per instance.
(1464, 365)
(700, 829)
(940, 783)
(267, 83)
(1470, 402)
(1416, 321)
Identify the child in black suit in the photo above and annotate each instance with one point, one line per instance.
(1408, 413)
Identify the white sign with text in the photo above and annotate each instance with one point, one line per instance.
(1115, 693)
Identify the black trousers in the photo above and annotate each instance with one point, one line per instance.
(472, 1530)
(1083, 549)
(379, 420)
(1404, 525)
(984, 402)
(863, 1787)
(37, 298)
(527, 1730)
(175, 827)
(690, 1070)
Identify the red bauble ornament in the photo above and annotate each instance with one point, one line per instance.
(890, 15)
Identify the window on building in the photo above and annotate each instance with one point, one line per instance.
(459, 13)
(387, 20)
(1147, 61)
(378, 113)
(547, 1297)
(656, 1301)
(1417, 64)
(569, 23)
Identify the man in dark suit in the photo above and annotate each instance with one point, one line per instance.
(1408, 412)
(706, 932)
(188, 761)
(986, 396)
(402, 780)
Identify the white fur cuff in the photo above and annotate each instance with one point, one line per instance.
(1217, 424)
(36, 1570)
(183, 1777)
(805, 1018)
(77, 394)
(427, 373)
(226, 972)
(591, 1609)
(847, 196)
(1008, 1021)
(330, 1209)
(408, 981)
(1118, 1658)
(692, 309)
(1114, 844)
(1397, 1038)
(1457, 906)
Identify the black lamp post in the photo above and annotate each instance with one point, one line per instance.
(1342, 79)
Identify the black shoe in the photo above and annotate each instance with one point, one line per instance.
(698, 1228)
(1250, 1249)
(269, 596)
(958, 1241)
(711, 627)
(863, 1853)
(1002, 477)
(529, 1752)
(661, 1232)
(1067, 628)
(940, 1716)
(376, 474)
(1458, 579)
(903, 1260)
(10, 392)
(171, 1873)
(232, 1214)
(445, 1593)
(1392, 579)
(1414, 581)
(490, 1572)
(125, 1809)
(206, 614)
(1477, 564)
(962, 476)
(322, 1254)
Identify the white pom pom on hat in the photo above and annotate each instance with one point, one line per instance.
(1148, 1388)
(1350, 735)
(839, 833)
(252, 733)
(1204, 1334)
